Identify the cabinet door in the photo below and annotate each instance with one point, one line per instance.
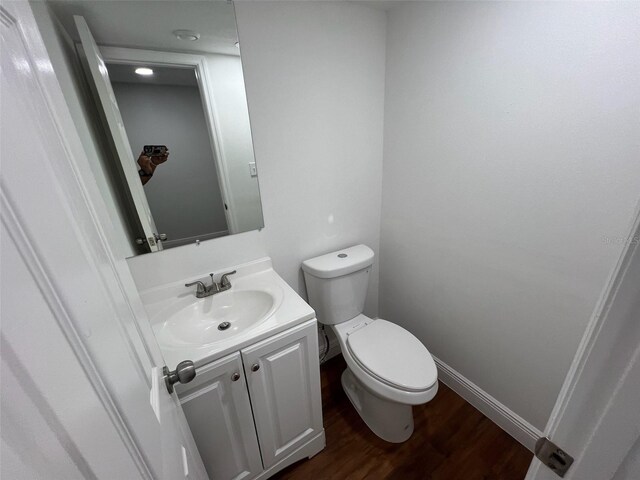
(216, 404)
(283, 375)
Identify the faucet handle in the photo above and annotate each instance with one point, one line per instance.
(200, 289)
(224, 279)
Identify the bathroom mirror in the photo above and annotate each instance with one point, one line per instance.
(167, 81)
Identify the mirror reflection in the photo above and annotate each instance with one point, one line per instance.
(173, 105)
(162, 112)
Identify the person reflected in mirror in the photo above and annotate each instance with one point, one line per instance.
(149, 163)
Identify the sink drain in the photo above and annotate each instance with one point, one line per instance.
(224, 325)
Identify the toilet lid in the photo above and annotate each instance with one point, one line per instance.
(393, 355)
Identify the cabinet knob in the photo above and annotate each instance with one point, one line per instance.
(235, 377)
(255, 367)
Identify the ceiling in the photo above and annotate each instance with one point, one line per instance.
(122, 73)
(149, 23)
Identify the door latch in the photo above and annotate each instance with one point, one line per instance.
(553, 456)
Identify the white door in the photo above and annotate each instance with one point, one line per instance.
(216, 404)
(74, 336)
(284, 384)
(108, 107)
(597, 416)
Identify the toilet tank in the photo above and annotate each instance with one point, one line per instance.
(337, 283)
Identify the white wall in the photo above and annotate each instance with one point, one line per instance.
(314, 76)
(184, 192)
(511, 151)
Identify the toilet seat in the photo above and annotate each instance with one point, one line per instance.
(393, 356)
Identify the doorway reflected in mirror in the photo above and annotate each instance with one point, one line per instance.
(165, 108)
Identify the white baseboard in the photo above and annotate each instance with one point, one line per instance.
(510, 422)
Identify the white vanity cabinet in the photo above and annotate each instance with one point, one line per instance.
(216, 404)
(276, 383)
(283, 376)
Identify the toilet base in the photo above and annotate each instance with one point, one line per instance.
(391, 421)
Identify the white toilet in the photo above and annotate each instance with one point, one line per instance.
(389, 369)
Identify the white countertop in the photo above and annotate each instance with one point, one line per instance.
(290, 310)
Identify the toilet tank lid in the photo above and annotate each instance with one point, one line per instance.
(340, 262)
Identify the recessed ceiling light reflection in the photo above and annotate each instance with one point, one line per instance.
(144, 71)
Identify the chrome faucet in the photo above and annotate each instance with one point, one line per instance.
(203, 290)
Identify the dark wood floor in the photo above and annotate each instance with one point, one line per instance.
(452, 440)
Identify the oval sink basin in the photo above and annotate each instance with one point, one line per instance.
(203, 321)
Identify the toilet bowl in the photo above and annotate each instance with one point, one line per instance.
(388, 369)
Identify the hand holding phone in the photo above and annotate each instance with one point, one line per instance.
(150, 158)
(155, 150)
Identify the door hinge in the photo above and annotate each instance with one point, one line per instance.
(151, 240)
(553, 456)
(141, 241)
